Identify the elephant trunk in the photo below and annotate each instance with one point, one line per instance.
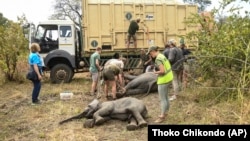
(82, 115)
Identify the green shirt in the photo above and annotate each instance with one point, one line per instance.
(168, 76)
(93, 68)
(133, 27)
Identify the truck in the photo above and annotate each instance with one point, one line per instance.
(66, 48)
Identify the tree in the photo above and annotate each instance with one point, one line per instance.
(202, 4)
(3, 20)
(12, 45)
(224, 54)
(67, 9)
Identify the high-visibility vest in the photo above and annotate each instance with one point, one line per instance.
(168, 76)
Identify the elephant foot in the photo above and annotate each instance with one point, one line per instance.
(143, 124)
(89, 123)
(99, 121)
(131, 127)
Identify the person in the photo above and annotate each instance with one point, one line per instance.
(110, 72)
(166, 50)
(150, 66)
(176, 59)
(36, 63)
(146, 60)
(94, 69)
(186, 70)
(133, 28)
(165, 76)
(118, 61)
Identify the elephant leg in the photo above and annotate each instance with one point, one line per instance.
(102, 120)
(140, 120)
(132, 124)
(135, 91)
(101, 113)
(89, 123)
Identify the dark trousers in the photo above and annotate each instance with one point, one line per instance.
(36, 90)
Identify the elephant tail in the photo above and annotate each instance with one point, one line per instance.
(83, 114)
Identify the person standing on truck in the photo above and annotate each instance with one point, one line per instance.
(133, 28)
(164, 78)
(36, 62)
(94, 69)
(176, 59)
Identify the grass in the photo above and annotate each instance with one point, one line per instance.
(20, 121)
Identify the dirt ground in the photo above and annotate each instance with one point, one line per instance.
(21, 121)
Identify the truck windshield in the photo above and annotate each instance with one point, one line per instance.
(40, 32)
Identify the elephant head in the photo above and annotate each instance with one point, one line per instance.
(91, 108)
(87, 113)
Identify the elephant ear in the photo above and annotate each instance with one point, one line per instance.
(94, 104)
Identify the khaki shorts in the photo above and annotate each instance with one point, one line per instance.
(108, 75)
(94, 76)
(131, 36)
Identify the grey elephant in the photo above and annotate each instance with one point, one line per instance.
(128, 109)
(141, 84)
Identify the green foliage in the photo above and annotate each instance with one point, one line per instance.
(223, 52)
(202, 4)
(3, 20)
(12, 45)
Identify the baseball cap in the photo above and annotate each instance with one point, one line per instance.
(152, 48)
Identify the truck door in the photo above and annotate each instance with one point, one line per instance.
(66, 39)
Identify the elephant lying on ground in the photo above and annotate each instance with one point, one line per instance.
(141, 84)
(125, 109)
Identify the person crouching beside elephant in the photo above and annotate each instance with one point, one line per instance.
(118, 61)
(110, 72)
(165, 76)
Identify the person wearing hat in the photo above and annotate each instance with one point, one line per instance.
(133, 27)
(95, 68)
(176, 60)
(165, 76)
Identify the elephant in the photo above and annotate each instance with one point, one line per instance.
(141, 84)
(128, 109)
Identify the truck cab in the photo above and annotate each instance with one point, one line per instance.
(60, 44)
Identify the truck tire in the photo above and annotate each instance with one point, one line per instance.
(61, 73)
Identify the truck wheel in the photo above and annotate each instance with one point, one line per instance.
(73, 73)
(61, 73)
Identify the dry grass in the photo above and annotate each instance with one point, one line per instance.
(20, 121)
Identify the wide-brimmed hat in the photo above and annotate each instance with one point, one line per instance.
(172, 42)
(155, 48)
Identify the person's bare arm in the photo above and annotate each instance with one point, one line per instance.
(150, 59)
(36, 69)
(120, 79)
(98, 65)
(161, 70)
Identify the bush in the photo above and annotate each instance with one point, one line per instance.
(223, 52)
(13, 44)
